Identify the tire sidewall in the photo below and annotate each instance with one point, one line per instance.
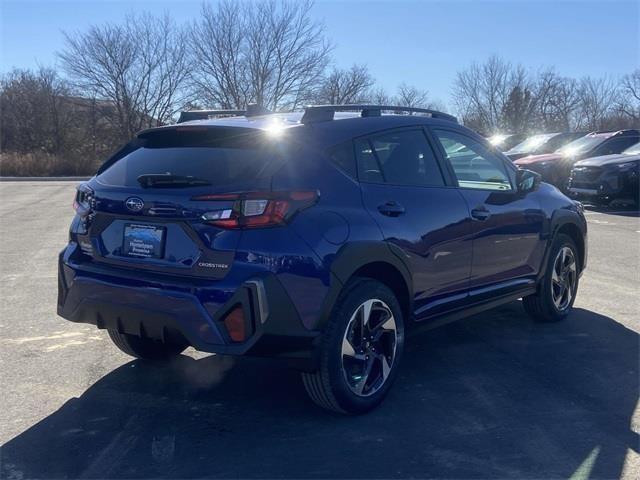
(332, 355)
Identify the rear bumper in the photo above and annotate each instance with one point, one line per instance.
(136, 305)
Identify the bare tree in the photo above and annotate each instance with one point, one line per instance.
(34, 113)
(557, 99)
(482, 91)
(295, 53)
(597, 98)
(379, 96)
(629, 100)
(47, 129)
(343, 86)
(410, 96)
(220, 76)
(271, 53)
(139, 66)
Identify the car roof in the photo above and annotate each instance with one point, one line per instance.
(613, 133)
(345, 125)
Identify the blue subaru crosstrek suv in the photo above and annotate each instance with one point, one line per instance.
(320, 237)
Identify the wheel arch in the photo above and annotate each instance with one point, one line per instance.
(570, 223)
(379, 261)
(388, 275)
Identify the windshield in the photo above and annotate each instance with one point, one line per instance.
(633, 149)
(531, 144)
(581, 145)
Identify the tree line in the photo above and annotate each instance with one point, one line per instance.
(115, 79)
(498, 95)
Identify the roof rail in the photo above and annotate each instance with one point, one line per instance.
(622, 131)
(207, 114)
(253, 110)
(325, 113)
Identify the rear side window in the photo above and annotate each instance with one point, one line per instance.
(400, 158)
(369, 170)
(215, 157)
(342, 157)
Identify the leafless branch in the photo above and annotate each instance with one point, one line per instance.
(139, 66)
(271, 53)
(346, 86)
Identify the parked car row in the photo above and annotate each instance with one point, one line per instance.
(597, 167)
(542, 143)
(505, 142)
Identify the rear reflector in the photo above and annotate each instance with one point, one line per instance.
(234, 322)
(257, 209)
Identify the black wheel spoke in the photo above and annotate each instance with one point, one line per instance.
(362, 382)
(563, 278)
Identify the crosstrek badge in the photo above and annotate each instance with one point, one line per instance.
(212, 265)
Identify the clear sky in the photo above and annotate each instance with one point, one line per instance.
(423, 43)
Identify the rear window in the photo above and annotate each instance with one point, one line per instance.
(219, 157)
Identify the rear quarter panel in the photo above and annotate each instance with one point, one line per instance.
(336, 220)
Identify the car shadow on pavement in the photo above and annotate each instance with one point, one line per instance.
(491, 396)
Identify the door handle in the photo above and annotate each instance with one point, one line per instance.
(391, 209)
(480, 213)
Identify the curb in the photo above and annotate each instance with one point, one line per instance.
(43, 179)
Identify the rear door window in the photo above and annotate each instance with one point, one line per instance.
(215, 157)
(402, 157)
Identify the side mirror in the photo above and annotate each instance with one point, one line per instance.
(527, 180)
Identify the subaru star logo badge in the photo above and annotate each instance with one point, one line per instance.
(134, 204)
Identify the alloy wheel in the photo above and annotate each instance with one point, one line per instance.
(563, 278)
(369, 347)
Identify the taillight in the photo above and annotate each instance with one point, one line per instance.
(257, 209)
(83, 201)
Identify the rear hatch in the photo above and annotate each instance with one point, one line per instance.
(170, 202)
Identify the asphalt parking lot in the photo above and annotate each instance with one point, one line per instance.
(491, 396)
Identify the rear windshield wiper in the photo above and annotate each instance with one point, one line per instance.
(168, 180)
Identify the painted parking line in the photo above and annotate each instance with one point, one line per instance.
(593, 212)
(617, 212)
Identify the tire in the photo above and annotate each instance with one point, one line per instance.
(552, 303)
(339, 385)
(145, 348)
